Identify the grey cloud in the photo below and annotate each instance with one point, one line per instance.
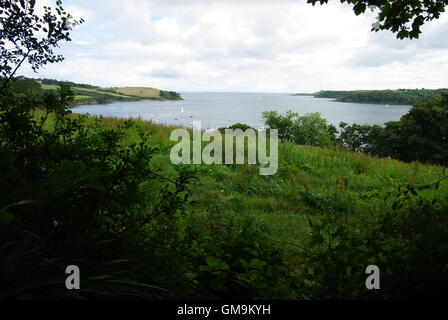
(240, 2)
(435, 39)
(166, 73)
(377, 57)
(384, 48)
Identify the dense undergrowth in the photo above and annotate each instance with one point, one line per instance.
(224, 231)
(102, 194)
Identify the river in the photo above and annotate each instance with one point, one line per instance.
(216, 110)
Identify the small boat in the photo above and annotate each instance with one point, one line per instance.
(182, 110)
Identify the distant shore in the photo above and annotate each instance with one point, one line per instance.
(97, 95)
(381, 97)
(109, 101)
(357, 102)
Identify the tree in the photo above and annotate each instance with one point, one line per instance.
(26, 86)
(26, 36)
(283, 123)
(403, 17)
(241, 126)
(421, 134)
(362, 138)
(310, 129)
(69, 191)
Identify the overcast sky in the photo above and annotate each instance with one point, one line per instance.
(244, 45)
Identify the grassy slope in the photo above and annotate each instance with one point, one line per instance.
(139, 92)
(107, 95)
(281, 202)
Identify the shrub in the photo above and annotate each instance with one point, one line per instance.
(310, 129)
(73, 195)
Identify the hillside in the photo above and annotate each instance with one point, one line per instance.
(88, 94)
(219, 231)
(363, 206)
(400, 96)
(109, 95)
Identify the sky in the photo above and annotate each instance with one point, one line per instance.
(244, 46)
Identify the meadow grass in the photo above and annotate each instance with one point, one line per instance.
(138, 92)
(283, 203)
(350, 194)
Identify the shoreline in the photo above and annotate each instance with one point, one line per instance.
(359, 102)
(92, 103)
(377, 103)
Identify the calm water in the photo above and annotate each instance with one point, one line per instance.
(216, 110)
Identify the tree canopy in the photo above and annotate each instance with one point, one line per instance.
(400, 96)
(309, 129)
(26, 36)
(403, 17)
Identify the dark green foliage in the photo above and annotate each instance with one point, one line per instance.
(21, 38)
(231, 257)
(81, 193)
(102, 194)
(66, 83)
(310, 129)
(408, 242)
(69, 194)
(330, 94)
(170, 95)
(23, 86)
(405, 18)
(363, 138)
(236, 126)
(421, 134)
(401, 96)
(68, 189)
(333, 132)
(284, 124)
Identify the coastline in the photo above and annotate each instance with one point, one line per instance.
(109, 101)
(362, 102)
(358, 102)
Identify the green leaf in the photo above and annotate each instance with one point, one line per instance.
(360, 8)
(190, 276)
(67, 164)
(216, 263)
(97, 186)
(257, 264)
(6, 217)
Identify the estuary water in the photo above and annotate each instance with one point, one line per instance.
(216, 110)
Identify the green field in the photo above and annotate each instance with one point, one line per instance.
(219, 231)
(108, 95)
(317, 199)
(138, 92)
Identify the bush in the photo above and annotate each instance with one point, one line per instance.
(74, 195)
(421, 134)
(407, 241)
(310, 129)
(231, 257)
(236, 126)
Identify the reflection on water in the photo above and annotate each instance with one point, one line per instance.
(216, 110)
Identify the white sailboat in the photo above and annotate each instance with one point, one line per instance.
(182, 110)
